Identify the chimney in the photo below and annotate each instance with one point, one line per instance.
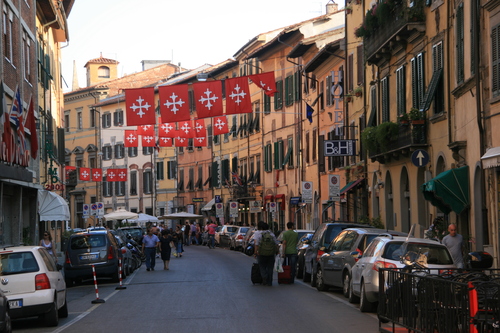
(332, 7)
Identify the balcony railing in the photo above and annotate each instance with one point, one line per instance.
(398, 21)
(409, 137)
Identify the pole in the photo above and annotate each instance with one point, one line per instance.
(120, 273)
(97, 299)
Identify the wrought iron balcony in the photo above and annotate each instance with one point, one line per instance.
(409, 138)
(394, 26)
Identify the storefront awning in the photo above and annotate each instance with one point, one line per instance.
(449, 191)
(492, 158)
(281, 199)
(52, 207)
(350, 185)
(208, 206)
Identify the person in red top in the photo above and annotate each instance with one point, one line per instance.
(212, 228)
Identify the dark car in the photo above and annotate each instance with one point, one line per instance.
(5, 323)
(303, 243)
(323, 236)
(98, 248)
(334, 266)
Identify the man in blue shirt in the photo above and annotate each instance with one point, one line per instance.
(149, 244)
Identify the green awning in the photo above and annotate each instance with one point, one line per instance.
(350, 185)
(449, 191)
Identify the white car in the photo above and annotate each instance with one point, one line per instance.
(386, 252)
(33, 284)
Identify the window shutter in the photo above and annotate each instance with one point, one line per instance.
(296, 84)
(278, 96)
(460, 43)
(350, 73)
(401, 89)
(385, 99)
(215, 174)
(321, 161)
(328, 90)
(361, 62)
(495, 61)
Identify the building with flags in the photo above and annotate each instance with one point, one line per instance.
(89, 129)
(30, 118)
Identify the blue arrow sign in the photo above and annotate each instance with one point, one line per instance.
(420, 158)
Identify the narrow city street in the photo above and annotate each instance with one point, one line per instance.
(205, 291)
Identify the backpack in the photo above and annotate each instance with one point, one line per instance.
(267, 246)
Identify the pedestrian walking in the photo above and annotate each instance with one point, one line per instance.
(212, 229)
(289, 246)
(149, 244)
(192, 235)
(266, 248)
(187, 231)
(455, 243)
(47, 243)
(179, 235)
(165, 248)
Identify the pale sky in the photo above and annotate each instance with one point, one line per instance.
(191, 33)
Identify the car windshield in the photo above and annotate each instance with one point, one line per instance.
(17, 263)
(87, 241)
(134, 232)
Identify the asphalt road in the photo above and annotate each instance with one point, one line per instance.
(205, 291)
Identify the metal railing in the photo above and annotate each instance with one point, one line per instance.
(426, 301)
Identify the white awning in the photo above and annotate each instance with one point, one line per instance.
(208, 206)
(491, 158)
(52, 207)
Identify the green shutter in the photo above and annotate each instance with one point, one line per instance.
(296, 85)
(278, 96)
(215, 174)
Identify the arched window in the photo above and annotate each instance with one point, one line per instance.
(103, 72)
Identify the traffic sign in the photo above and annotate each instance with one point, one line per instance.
(420, 157)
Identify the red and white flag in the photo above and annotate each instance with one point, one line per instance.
(238, 95)
(165, 130)
(148, 140)
(31, 125)
(146, 130)
(165, 142)
(174, 102)
(140, 106)
(187, 128)
(208, 98)
(131, 138)
(84, 174)
(116, 175)
(200, 141)
(265, 81)
(200, 129)
(97, 175)
(68, 169)
(181, 140)
(220, 125)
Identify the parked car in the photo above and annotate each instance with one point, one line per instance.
(33, 284)
(247, 238)
(323, 236)
(5, 323)
(98, 248)
(222, 237)
(136, 232)
(302, 245)
(334, 266)
(386, 252)
(236, 240)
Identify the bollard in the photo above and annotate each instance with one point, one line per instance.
(120, 273)
(97, 299)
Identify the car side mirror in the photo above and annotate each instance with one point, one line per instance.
(356, 254)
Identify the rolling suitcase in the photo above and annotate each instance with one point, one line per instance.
(256, 277)
(286, 276)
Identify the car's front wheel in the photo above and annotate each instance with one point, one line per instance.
(320, 283)
(347, 284)
(51, 318)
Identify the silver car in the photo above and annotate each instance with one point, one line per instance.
(386, 252)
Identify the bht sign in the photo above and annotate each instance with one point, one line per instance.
(340, 147)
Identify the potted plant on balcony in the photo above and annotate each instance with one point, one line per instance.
(361, 31)
(348, 98)
(417, 117)
(386, 132)
(358, 91)
(404, 119)
(348, 9)
(369, 140)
